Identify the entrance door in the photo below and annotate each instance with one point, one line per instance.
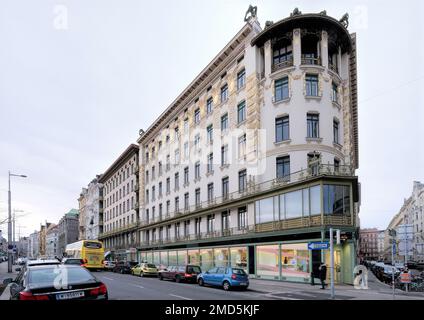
(337, 266)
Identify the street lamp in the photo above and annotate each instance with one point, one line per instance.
(9, 232)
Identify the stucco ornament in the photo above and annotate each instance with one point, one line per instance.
(295, 12)
(250, 13)
(345, 20)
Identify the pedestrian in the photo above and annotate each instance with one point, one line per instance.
(323, 274)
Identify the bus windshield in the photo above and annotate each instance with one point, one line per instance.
(92, 245)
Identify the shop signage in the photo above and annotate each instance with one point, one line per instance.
(318, 245)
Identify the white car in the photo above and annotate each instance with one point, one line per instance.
(109, 265)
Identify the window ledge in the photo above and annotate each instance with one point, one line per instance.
(313, 97)
(336, 105)
(319, 140)
(337, 145)
(241, 123)
(283, 142)
(224, 166)
(210, 173)
(186, 184)
(241, 88)
(197, 179)
(282, 101)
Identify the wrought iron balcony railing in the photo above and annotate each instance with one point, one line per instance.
(306, 60)
(282, 64)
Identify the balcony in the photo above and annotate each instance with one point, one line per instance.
(282, 64)
(333, 67)
(307, 60)
(252, 189)
(127, 228)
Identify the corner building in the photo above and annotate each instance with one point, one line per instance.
(257, 156)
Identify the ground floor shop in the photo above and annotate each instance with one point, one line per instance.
(277, 260)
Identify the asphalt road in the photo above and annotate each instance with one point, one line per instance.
(128, 287)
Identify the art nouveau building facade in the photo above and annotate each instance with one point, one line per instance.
(257, 156)
(120, 204)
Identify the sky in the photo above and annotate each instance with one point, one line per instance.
(78, 79)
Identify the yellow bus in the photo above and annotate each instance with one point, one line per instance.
(90, 251)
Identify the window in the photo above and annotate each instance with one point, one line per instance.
(209, 105)
(177, 156)
(197, 142)
(197, 116)
(210, 163)
(242, 180)
(177, 181)
(168, 232)
(224, 155)
(197, 222)
(241, 79)
(147, 157)
(186, 175)
(186, 150)
(336, 165)
(282, 54)
(153, 173)
(168, 206)
(186, 125)
(281, 89)
(209, 134)
(197, 170)
(224, 93)
(336, 131)
(314, 160)
(210, 192)
(186, 228)
(312, 125)
(186, 201)
(211, 223)
(147, 176)
(153, 193)
(336, 199)
(283, 167)
(241, 112)
(147, 196)
(147, 215)
(334, 93)
(168, 162)
(177, 230)
(153, 213)
(225, 220)
(160, 189)
(168, 185)
(242, 146)
(225, 188)
(242, 218)
(311, 85)
(160, 168)
(224, 122)
(160, 146)
(177, 204)
(197, 197)
(282, 129)
(177, 134)
(160, 210)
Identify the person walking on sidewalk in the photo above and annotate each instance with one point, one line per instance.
(323, 274)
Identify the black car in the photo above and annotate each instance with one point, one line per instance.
(124, 266)
(47, 282)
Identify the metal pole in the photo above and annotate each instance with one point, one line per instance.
(332, 263)
(393, 269)
(9, 231)
(13, 237)
(406, 254)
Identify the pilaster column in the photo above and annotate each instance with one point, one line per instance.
(297, 47)
(324, 49)
(267, 57)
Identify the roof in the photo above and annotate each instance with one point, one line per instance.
(132, 149)
(198, 84)
(306, 21)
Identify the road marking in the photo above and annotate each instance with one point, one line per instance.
(135, 285)
(174, 295)
(109, 278)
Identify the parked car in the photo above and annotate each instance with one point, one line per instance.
(109, 265)
(225, 277)
(124, 266)
(187, 273)
(144, 269)
(76, 261)
(39, 283)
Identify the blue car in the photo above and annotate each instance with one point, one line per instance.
(225, 277)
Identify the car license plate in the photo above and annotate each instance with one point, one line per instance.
(70, 295)
(243, 283)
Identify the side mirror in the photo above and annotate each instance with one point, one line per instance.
(18, 269)
(7, 281)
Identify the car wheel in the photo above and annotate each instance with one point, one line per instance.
(141, 274)
(160, 277)
(177, 279)
(226, 286)
(122, 271)
(201, 282)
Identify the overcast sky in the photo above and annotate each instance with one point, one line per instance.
(74, 92)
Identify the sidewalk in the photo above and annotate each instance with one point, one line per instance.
(303, 291)
(4, 292)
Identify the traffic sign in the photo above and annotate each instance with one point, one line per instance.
(405, 277)
(318, 245)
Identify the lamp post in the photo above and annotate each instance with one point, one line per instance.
(9, 229)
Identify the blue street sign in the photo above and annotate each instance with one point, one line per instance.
(394, 248)
(318, 245)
